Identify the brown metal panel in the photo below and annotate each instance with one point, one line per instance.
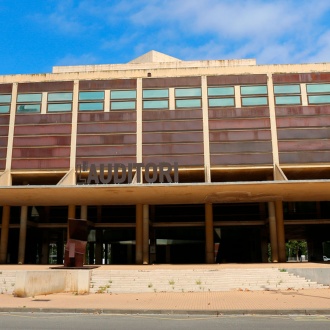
(150, 115)
(312, 77)
(171, 149)
(241, 159)
(107, 128)
(151, 138)
(3, 141)
(303, 111)
(243, 147)
(307, 145)
(106, 160)
(107, 84)
(182, 125)
(171, 82)
(305, 157)
(41, 152)
(4, 119)
(56, 118)
(3, 153)
(188, 160)
(321, 121)
(104, 151)
(25, 141)
(239, 123)
(4, 130)
(303, 133)
(107, 116)
(58, 86)
(238, 113)
(109, 139)
(43, 129)
(6, 88)
(2, 164)
(41, 164)
(246, 135)
(237, 79)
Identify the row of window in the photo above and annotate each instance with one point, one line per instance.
(224, 96)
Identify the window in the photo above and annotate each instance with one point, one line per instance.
(318, 93)
(188, 97)
(218, 96)
(91, 101)
(5, 100)
(287, 94)
(123, 100)
(59, 102)
(254, 95)
(155, 99)
(28, 103)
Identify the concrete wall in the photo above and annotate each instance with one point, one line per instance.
(319, 275)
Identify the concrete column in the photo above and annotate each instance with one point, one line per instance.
(4, 233)
(99, 238)
(145, 234)
(71, 215)
(139, 234)
(272, 231)
(209, 239)
(22, 234)
(280, 231)
(83, 212)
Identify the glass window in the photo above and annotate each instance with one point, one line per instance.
(318, 99)
(186, 92)
(250, 101)
(318, 88)
(224, 102)
(161, 104)
(92, 106)
(5, 98)
(253, 90)
(287, 89)
(123, 105)
(194, 103)
(117, 95)
(292, 99)
(91, 96)
(4, 108)
(26, 108)
(220, 91)
(29, 98)
(59, 97)
(155, 93)
(58, 107)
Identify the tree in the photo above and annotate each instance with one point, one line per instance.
(293, 247)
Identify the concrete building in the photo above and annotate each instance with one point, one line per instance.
(170, 161)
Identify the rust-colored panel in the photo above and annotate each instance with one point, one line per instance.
(106, 160)
(104, 151)
(3, 153)
(107, 84)
(238, 113)
(247, 135)
(170, 114)
(4, 130)
(6, 88)
(171, 82)
(307, 145)
(241, 159)
(187, 160)
(303, 121)
(4, 119)
(57, 86)
(243, 147)
(303, 111)
(182, 125)
(107, 128)
(41, 164)
(312, 77)
(303, 133)
(237, 79)
(25, 141)
(172, 149)
(106, 116)
(41, 152)
(2, 164)
(43, 129)
(3, 141)
(305, 157)
(109, 139)
(151, 138)
(239, 123)
(54, 118)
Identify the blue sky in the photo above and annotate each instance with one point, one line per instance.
(36, 35)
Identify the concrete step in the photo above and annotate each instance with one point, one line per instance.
(7, 281)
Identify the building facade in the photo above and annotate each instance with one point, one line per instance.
(169, 161)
